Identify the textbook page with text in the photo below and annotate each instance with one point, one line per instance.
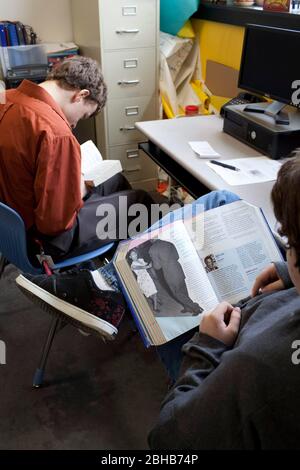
(172, 275)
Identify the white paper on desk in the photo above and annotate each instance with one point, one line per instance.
(203, 149)
(252, 170)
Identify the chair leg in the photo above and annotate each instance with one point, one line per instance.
(3, 263)
(39, 373)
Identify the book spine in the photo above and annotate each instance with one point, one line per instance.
(20, 33)
(12, 32)
(3, 37)
(142, 332)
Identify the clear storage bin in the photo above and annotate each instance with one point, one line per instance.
(18, 57)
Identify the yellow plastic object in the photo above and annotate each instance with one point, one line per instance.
(187, 31)
(181, 112)
(203, 97)
(218, 101)
(167, 108)
(220, 42)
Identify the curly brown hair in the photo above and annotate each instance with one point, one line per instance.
(81, 73)
(286, 202)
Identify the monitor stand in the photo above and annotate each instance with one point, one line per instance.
(273, 109)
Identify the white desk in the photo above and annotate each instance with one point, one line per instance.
(172, 137)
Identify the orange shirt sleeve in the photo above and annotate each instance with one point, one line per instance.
(57, 184)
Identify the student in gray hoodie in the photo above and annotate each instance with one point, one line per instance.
(239, 386)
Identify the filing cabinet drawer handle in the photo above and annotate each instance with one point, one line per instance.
(131, 170)
(127, 128)
(128, 82)
(132, 111)
(132, 153)
(130, 63)
(129, 10)
(127, 31)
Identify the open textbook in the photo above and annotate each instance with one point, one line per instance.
(95, 170)
(172, 275)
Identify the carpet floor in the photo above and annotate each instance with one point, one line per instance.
(96, 395)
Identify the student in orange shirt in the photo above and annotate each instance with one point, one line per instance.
(40, 160)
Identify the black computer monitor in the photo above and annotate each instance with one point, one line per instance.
(270, 67)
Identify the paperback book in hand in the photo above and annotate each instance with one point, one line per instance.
(95, 170)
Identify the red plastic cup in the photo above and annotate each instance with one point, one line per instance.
(191, 110)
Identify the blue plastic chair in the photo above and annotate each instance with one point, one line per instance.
(13, 249)
(13, 245)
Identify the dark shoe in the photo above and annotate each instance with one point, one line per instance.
(89, 265)
(75, 296)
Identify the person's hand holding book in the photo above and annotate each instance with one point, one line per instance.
(267, 281)
(222, 323)
(84, 189)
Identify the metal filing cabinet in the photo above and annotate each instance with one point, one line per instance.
(123, 35)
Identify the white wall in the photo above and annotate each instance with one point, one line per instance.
(51, 19)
